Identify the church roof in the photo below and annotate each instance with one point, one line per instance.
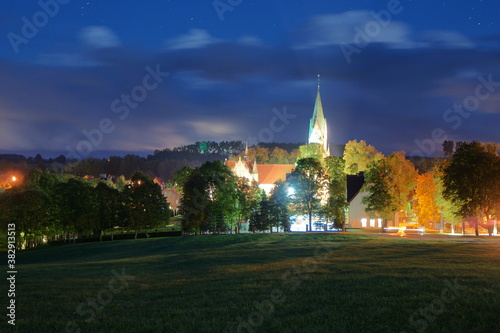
(249, 164)
(318, 116)
(270, 173)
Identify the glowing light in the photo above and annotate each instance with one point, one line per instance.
(14, 178)
(291, 191)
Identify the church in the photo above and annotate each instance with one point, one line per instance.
(268, 174)
(318, 128)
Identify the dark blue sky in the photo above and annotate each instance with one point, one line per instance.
(78, 79)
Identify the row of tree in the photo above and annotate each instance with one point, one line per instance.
(55, 207)
(215, 200)
(463, 188)
(263, 155)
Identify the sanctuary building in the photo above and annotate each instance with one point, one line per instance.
(268, 174)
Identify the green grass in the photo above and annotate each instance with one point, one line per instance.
(307, 283)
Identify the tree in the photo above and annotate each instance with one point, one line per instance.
(312, 150)
(280, 200)
(307, 180)
(210, 198)
(28, 210)
(181, 176)
(248, 196)
(445, 207)
(194, 202)
(111, 208)
(130, 164)
(260, 219)
(279, 156)
(76, 205)
(358, 156)
(389, 183)
(379, 200)
(148, 207)
(337, 191)
(472, 182)
(222, 191)
(426, 195)
(448, 146)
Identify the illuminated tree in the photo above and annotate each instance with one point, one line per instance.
(358, 156)
(337, 191)
(210, 201)
(248, 196)
(389, 183)
(307, 180)
(426, 205)
(280, 200)
(472, 182)
(446, 207)
(312, 150)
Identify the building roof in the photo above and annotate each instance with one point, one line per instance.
(318, 115)
(354, 185)
(249, 164)
(270, 173)
(318, 123)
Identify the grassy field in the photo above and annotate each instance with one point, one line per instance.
(262, 283)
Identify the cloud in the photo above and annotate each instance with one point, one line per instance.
(66, 60)
(195, 38)
(334, 29)
(446, 39)
(228, 91)
(250, 41)
(347, 27)
(214, 129)
(12, 136)
(99, 37)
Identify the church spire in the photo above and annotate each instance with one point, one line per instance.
(318, 132)
(246, 151)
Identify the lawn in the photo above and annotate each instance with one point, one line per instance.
(262, 283)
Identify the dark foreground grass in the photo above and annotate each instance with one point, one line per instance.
(262, 283)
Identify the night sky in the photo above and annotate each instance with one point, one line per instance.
(93, 78)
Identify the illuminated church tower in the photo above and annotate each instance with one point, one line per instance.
(318, 129)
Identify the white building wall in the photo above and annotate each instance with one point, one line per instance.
(358, 218)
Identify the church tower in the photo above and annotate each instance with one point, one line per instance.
(318, 129)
